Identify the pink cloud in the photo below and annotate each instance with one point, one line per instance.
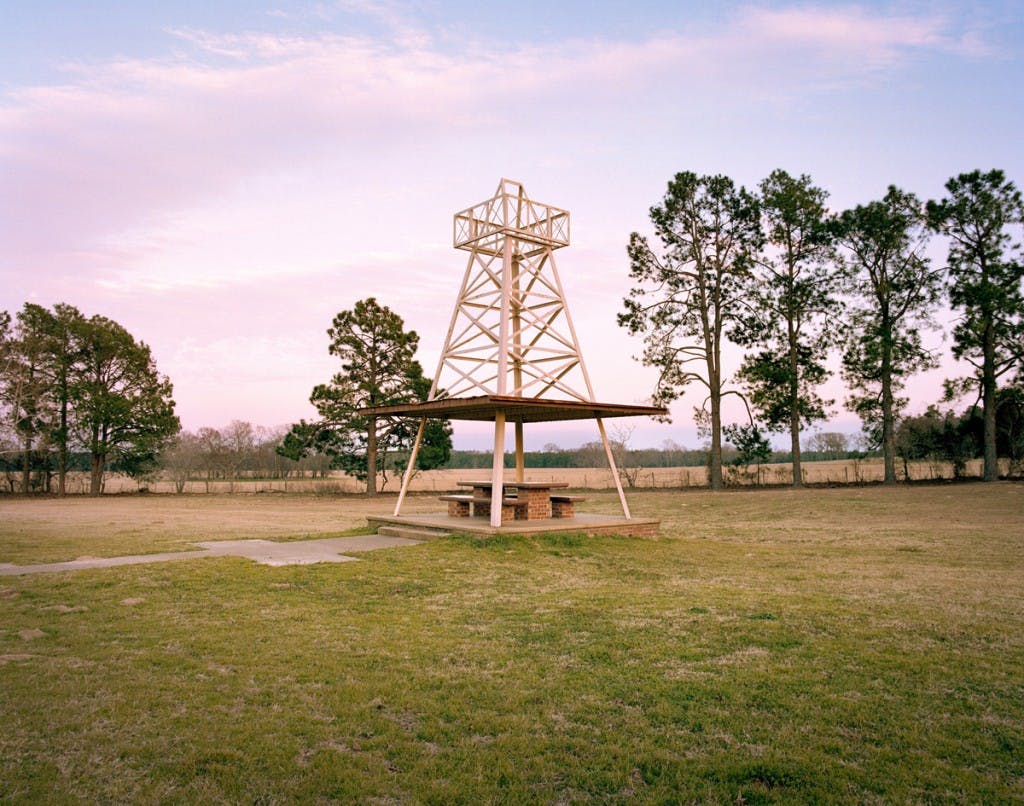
(248, 186)
(841, 34)
(123, 140)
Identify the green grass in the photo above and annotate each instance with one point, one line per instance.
(818, 646)
(54, 530)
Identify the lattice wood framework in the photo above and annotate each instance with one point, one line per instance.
(511, 333)
(511, 339)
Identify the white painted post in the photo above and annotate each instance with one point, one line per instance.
(503, 340)
(498, 468)
(407, 477)
(615, 470)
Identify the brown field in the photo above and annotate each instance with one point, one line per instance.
(51, 529)
(844, 644)
(843, 471)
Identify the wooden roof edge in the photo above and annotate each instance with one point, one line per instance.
(452, 407)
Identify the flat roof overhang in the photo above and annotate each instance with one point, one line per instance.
(517, 409)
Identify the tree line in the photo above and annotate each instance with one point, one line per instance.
(775, 272)
(238, 450)
(75, 384)
(669, 454)
(79, 391)
(771, 270)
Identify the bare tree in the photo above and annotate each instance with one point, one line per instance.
(239, 440)
(212, 457)
(831, 443)
(629, 469)
(183, 459)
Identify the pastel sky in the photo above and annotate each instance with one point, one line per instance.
(222, 178)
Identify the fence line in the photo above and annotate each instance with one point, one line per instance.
(838, 472)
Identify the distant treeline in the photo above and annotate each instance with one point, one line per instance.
(586, 456)
(242, 450)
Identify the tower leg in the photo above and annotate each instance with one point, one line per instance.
(412, 463)
(498, 469)
(615, 470)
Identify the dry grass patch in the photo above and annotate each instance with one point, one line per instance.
(774, 647)
(55, 530)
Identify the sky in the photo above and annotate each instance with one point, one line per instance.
(223, 178)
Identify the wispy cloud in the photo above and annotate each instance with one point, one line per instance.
(124, 141)
(250, 168)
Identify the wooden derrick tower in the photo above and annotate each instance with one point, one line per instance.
(511, 352)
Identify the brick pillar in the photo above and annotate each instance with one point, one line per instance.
(537, 503)
(458, 509)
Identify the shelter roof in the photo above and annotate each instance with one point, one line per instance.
(517, 409)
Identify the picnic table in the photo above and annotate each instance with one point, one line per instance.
(533, 500)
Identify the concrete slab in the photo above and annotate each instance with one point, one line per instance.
(265, 552)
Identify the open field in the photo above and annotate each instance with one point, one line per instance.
(828, 645)
(839, 471)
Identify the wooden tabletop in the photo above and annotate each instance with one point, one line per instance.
(521, 485)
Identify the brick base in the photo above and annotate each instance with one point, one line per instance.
(562, 509)
(458, 509)
(509, 512)
(535, 505)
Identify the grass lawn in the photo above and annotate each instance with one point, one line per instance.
(826, 645)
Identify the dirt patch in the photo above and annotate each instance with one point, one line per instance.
(14, 657)
(31, 635)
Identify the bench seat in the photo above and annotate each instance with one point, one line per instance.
(563, 506)
(470, 499)
(462, 506)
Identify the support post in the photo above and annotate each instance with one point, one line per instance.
(407, 477)
(498, 469)
(515, 303)
(503, 327)
(520, 453)
(615, 469)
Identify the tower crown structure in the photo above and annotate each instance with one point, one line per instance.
(510, 214)
(511, 333)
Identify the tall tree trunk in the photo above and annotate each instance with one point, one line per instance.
(371, 457)
(62, 443)
(794, 407)
(794, 442)
(888, 405)
(98, 462)
(988, 392)
(888, 431)
(716, 439)
(26, 464)
(29, 408)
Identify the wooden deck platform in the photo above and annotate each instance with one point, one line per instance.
(586, 522)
